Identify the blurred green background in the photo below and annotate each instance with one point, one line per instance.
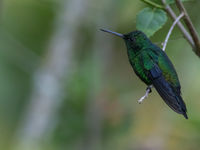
(67, 86)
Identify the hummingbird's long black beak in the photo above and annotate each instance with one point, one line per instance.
(112, 32)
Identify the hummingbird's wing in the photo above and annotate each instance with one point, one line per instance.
(164, 78)
(166, 91)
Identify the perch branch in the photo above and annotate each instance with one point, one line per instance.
(171, 29)
(190, 26)
(171, 13)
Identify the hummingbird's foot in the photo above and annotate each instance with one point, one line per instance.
(148, 90)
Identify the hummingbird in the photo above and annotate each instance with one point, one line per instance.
(153, 67)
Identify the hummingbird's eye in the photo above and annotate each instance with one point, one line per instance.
(132, 39)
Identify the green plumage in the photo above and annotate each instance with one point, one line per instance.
(153, 67)
(143, 55)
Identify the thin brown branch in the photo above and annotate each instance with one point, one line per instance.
(171, 13)
(190, 26)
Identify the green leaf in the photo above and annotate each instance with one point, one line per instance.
(173, 1)
(150, 20)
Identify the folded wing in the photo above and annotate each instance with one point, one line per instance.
(171, 95)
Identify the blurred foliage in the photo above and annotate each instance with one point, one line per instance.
(102, 90)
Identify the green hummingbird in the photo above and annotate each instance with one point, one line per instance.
(153, 67)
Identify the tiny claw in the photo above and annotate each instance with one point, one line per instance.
(148, 90)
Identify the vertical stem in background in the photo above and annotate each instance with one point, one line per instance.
(48, 80)
(95, 108)
(101, 58)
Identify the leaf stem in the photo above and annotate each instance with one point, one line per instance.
(171, 29)
(190, 26)
(149, 2)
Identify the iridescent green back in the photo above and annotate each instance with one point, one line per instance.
(143, 55)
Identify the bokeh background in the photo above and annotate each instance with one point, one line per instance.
(64, 85)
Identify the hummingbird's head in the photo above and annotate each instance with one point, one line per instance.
(135, 40)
